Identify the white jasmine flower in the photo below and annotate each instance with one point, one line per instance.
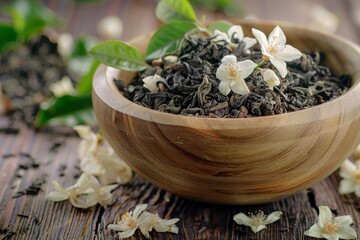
(351, 177)
(257, 222)
(275, 50)
(145, 221)
(99, 194)
(71, 193)
(129, 222)
(270, 78)
(232, 74)
(332, 228)
(99, 159)
(110, 27)
(235, 32)
(150, 82)
(62, 87)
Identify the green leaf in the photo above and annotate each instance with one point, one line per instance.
(175, 10)
(30, 17)
(85, 85)
(119, 55)
(81, 46)
(167, 39)
(221, 25)
(66, 110)
(79, 61)
(8, 37)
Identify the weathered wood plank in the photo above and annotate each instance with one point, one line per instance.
(32, 217)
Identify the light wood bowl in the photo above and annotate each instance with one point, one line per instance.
(237, 161)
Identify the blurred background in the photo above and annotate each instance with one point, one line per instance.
(138, 16)
(46, 73)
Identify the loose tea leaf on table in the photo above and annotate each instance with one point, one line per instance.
(191, 86)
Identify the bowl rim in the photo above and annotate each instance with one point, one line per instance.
(109, 94)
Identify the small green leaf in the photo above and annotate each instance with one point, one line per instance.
(175, 10)
(8, 37)
(221, 25)
(30, 17)
(66, 110)
(85, 85)
(119, 55)
(167, 39)
(81, 46)
(79, 60)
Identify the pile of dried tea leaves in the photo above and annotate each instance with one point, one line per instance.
(26, 74)
(191, 86)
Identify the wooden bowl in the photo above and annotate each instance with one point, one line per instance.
(237, 161)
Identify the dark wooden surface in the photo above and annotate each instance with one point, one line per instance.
(32, 217)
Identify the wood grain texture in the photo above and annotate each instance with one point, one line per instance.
(35, 218)
(237, 161)
(198, 221)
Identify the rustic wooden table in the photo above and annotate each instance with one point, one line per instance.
(53, 155)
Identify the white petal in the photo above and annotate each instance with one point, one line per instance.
(57, 186)
(145, 231)
(242, 219)
(280, 65)
(237, 30)
(221, 36)
(347, 186)
(270, 77)
(224, 87)
(77, 202)
(256, 229)
(346, 232)
(277, 36)
(127, 233)
(260, 37)
(147, 220)
(82, 185)
(249, 42)
(94, 182)
(246, 67)
(174, 229)
(325, 215)
(357, 190)
(91, 200)
(347, 169)
(229, 59)
(344, 220)
(115, 227)
(240, 87)
(57, 196)
(83, 131)
(161, 226)
(314, 231)
(330, 237)
(172, 221)
(150, 82)
(109, 188)
(139, 209)
(288, 53)
(221, 73)
(273, 217)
